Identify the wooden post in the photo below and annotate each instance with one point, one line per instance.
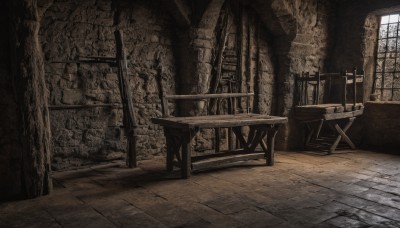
(29, 75)
(161, 88)
(217, 74)
(318, 86)
(130, 123)
(186, 168)
(240, 52)
(271, 144)
(344, 90)
(307, 75)
(354, 87)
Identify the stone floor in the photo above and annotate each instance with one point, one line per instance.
(354, 189)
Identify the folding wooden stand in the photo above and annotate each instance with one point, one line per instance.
(336, 117)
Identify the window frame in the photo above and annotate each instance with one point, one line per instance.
(386, 55)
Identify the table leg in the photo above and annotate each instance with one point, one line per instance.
(251, 135)
(342, 134)
(271, 144)
(257, 139)
(320, 123)
(170, 150)
(241, 138)
(217, 139)
(310, 133)
(186, 154)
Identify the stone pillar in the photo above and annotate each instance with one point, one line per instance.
(29, 75)
(196, 57)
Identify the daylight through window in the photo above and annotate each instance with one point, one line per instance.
(387, 72)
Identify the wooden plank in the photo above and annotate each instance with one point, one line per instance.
(87, 106)
(220, 117)
(207, 96)
(221, 154)
(323, 110)
(343, 115)
(204, 164)
(218, 122)
(234, 122)
(310, 117)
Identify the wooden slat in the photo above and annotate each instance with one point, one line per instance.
(219, 121)
(207, 96)
(63, 107)
(326, 108)
(207, 163)
(307, 117)
(343, 115)
(219, 117)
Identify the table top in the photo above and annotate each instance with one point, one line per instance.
(215, 121)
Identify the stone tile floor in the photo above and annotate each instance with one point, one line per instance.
(352, 189)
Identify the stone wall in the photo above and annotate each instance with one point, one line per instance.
(309, 51)
(302, 38)
(357, 29)
(279, 39)
(381, 125)
(73, 29)
(270, 57)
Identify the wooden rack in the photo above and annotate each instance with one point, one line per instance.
(318, 104)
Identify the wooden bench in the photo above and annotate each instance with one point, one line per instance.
(180, 131)
(319, 104)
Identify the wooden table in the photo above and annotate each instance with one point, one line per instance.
(179, 133)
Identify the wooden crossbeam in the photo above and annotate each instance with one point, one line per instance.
(342, 134)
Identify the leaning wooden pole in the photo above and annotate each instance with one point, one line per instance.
(29, 75)
(130, 123)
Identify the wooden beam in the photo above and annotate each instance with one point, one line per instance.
(213, 162)
(88, 106)
(207, 96)
(130, 122)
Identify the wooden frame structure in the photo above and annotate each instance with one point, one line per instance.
(179, 133)
(320, 104)
(129, 117)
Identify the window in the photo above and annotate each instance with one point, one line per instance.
(387, 71)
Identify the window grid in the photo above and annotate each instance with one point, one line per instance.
(387, 70)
